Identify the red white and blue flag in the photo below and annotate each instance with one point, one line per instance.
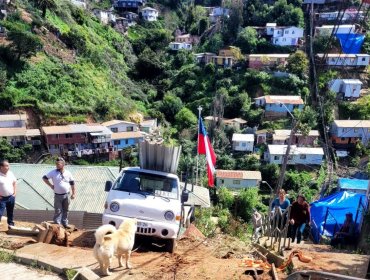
(205, 148)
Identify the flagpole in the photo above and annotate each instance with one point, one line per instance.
(196, 172)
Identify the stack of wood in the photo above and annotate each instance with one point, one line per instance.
(46, 232)
(53, 234)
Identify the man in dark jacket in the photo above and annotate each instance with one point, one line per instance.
(299, 217)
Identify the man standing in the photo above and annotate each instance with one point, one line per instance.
(8, 191)
(63, 183)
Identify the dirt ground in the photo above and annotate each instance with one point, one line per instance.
(219, 257)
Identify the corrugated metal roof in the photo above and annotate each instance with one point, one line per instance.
(353, 184)
(290, 99)
(243, 137)
(75, 128)
(238, 174)
(14, 117)
(115, 122)
(352, 123)
(127, 135)
(34, 194)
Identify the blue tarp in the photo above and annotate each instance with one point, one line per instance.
(334, 209)
(353, 184)
(351, 43)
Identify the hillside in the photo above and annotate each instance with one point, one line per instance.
(66, 66)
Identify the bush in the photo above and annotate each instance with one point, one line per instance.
(245, 201)
(225, 198)
(203, 221)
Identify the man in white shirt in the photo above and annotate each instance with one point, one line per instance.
(8, 191)
(62, 185)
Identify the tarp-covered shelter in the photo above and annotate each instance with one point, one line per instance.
(351, 43)
(328, 213)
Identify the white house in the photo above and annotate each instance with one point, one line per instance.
(270, 26)
(353, 60)
(148, 126)
(286, 36)
(104, 16)
(348, 88)
(15, 120)
(121, 126)
(297, 155)
(326, 30)
(238, 179)
(243, 142)
(175, 46)
(79, 3)
(149, 14)
(218, 12)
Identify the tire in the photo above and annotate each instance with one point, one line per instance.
(171, 246)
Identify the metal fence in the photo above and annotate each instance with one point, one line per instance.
(275, 228)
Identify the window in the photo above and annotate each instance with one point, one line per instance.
(244, 144)
(114, 129)
(222, 181)
(276, 157)
(290, 157)
(56, 136)
(302, 156)
(293, 32)
(342, 139)
(286, 32)
(126, 141)
(363, 59)
(68, 135)
(236, 182)
(117, 142)
(131, 128)
(343, 130)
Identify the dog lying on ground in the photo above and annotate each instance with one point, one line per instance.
(111, 241)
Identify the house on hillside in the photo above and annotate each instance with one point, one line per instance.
(297, 155)
(281, 137)
(258, 61)
(125, 5)
(236, 123)
(148, 126)
(104, 17)
(278, 105)
(327, 30)
(314, 1)
(149, 14)
(123, 140)
(350, 60)
(14, 120)
(218, 12)
(346, 88)
(348, 15)
(19, 136)
(204, 58)
(262, 136)
(238, 179)
(78, 138)
(243, 142)
(284, 36)
(79, 3)
(346, 133)
(121, 126)
(175, 46)
(187, 38)
(223, 61)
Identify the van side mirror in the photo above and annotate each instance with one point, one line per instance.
(184, 196)
(108, 186)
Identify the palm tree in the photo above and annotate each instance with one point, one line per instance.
(44, 5)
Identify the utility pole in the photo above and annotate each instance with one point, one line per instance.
(286, 156)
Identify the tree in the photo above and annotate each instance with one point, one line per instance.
(185, 119)
(7, 151)
(170, 106)
(245, 202)
(24, 44)
(44, 5)
(298, 64)
(214, 44)
(247, 40)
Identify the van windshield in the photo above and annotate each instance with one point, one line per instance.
(147, 184)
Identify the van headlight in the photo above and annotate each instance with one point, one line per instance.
(114, 207)
(169, 215)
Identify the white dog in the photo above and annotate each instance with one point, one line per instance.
(110, 242)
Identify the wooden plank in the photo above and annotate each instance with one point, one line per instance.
(274, 274)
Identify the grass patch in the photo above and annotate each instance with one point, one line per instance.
(6, 257)
(70, 273)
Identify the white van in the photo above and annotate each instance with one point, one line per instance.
(154, 198)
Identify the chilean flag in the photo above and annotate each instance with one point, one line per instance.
(205, 148)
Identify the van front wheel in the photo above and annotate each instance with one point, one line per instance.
(171, 246)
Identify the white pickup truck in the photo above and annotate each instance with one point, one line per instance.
(154, 198)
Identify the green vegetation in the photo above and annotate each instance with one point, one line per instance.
(7, 151)
(6, 257)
